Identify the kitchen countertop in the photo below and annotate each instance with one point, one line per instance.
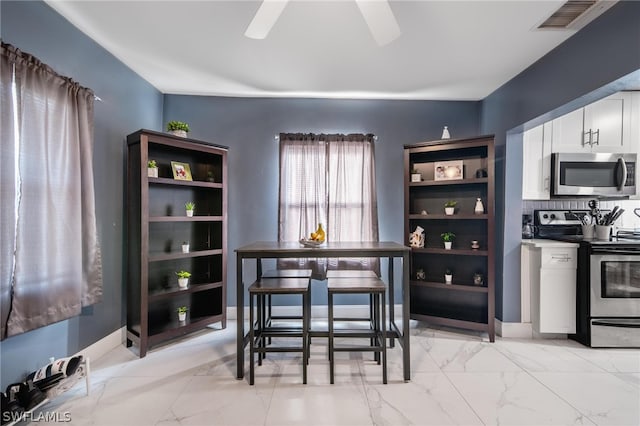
(541, 243)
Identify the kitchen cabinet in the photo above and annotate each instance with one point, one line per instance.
(603, 126)
(536, 163)
(549, 275)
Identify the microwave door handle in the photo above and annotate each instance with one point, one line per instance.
(621, 174)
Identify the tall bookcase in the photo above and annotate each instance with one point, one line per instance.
(157, 225)
(464, 303)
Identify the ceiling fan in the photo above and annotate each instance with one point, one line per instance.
(376, 13)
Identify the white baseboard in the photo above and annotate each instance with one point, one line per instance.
(317, 311)
(514, 329)
(104, 345)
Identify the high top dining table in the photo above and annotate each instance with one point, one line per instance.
(273, 250)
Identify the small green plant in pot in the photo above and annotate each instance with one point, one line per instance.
(152, 169)
(415, 175)
(178, 128)
(448, 276)
(182, 313)
(189, 207)
(183, 278)
(185, 246)
(450, 207)
(447, 238)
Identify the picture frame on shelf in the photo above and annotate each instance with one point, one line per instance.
(181, 171)
(448, 170)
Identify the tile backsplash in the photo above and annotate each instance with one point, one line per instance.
(628, 220)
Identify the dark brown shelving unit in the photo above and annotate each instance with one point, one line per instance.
(157, 225)
(459, 304)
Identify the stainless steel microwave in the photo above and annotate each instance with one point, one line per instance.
(589, 174)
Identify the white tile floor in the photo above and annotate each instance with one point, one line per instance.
(457, 378)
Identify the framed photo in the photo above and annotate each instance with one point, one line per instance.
(448, 170)
(181, 171)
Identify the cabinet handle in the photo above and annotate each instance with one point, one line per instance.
(546, 183)
(560, 258)
(584, 138)
(597, 137)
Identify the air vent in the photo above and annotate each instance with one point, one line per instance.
(575, 14)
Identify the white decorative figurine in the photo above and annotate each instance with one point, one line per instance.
(445, 133)
(479, 209)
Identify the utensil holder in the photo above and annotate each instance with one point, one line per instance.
(588, 232)
(603, 232)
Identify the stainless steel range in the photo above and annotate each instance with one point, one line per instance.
(608, 280)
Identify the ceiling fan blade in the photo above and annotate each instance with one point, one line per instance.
(380, 20)
(265, 18)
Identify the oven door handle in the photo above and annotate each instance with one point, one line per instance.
(621, 250)
(614, 323)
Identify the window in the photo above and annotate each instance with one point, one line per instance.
(328, 179)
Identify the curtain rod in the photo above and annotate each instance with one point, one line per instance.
(277, 137)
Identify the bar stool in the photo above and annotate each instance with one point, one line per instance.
(259, 332)
(282, 273)
(376, 289)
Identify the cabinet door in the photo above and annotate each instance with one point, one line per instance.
(557, 310)
(536, 163)
(567, 133)
(604, 122)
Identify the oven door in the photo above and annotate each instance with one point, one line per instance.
(615, 283)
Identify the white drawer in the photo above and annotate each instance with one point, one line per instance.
(559, 258)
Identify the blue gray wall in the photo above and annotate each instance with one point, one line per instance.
(602, 58)
(249, 126)
(128, 103)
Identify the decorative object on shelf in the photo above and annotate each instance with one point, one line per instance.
(477, 279)
(475, 245)
(447, 238)
(481, 173)
(182, 313)
(445, 133)
(210, 177)
(152, 169)
(189, 207)
(416, 238)
(178, 128)
(448, 276)
(448, 170)
(181, 171)
(420, 274)
(317, 238)
(479, 208)
(423, 212)
(183, 278)
(415, 176)
(185, 246)
(450, 207)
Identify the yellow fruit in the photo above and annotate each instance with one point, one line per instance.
(320, 234)
(314, 235)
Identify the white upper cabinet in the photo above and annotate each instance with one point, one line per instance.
(536, 163)
(603, 126)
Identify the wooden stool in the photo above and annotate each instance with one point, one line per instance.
(377, 334)
(259, 332)
(283, 273)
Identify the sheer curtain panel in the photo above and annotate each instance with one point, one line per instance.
(51, 263)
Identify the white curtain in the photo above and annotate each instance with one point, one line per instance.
(328, 179)
(50, 255)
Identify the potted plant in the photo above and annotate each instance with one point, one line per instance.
(152, 169)
(182, 313)
(448, 238)
(415, 175)
(185, 246)
(210, 176)
(178, 128)
(189, 206)
(183, 278)
(450, 207)
(448, 276)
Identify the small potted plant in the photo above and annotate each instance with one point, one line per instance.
(183, 278)
(415, 175)
(450, 207)
(447, 238)
(448, 276)
(182, 313)
(185, 246)
(210, 176)
(178, 128)
(190, 206)
(152, 169)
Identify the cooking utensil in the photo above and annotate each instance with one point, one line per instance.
(615, 217)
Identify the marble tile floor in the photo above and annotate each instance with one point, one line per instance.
(458, 377)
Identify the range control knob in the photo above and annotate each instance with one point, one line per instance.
(553, 216)
(545, 216)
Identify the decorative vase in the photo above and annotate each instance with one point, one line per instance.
(479, 208)
(445, 133)
(185, 248)
(475, 245)
(477, 279)
(152, 172)
(447, 245)
(189, 213)
(182, 316)
(449, 211)
(181, 133)
(183, 282)
(420, 275)
(448, 278)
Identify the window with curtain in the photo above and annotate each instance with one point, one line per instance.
(328, 179)
(49, 252)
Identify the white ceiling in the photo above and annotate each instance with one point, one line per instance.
(456, 50)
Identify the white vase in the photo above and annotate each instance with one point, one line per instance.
(448, 279)
(183, 282)
(449, 211)
(445, 133)
(152, 172)
(185, 248)
(479, 208)
(181, 133)
(182, 316)
(189, 213)
(447, 245)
